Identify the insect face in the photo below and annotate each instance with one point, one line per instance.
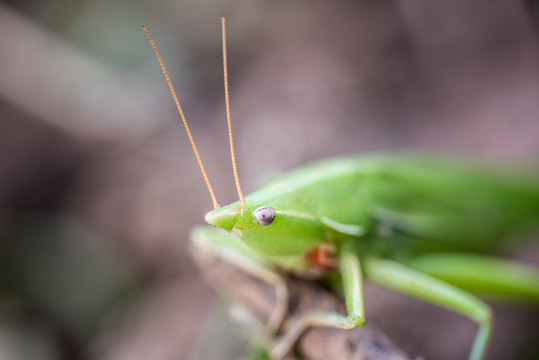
(268, 229)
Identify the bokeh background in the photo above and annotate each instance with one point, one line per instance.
(99, 187)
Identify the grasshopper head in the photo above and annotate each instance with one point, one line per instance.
(272, 229)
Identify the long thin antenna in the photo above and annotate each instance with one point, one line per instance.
(231, 139)
(215, 204)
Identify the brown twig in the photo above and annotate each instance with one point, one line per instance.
(304, 297)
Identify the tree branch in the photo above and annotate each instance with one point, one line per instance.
(304, 297)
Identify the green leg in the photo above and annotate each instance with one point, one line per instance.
(412, 282)
(483, 275)
(230, 249)
(353, 292)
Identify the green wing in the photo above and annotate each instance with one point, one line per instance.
(452, 203)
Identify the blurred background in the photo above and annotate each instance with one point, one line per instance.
(99, 187)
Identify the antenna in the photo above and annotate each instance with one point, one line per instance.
(191, 140)
(231, 139)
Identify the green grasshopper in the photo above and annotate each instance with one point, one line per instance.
(416, 225)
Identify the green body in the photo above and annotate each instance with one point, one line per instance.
(416, 225)
(390, 206)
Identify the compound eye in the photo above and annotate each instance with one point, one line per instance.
(265, 215)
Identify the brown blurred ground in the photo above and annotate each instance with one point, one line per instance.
(99, 187)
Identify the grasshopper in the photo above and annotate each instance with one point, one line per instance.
(417, 225)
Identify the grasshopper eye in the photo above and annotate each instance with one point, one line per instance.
(264, 215)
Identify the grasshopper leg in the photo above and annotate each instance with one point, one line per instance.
(230, 249)
(483, 274)
(350, 270)
(422, 286)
